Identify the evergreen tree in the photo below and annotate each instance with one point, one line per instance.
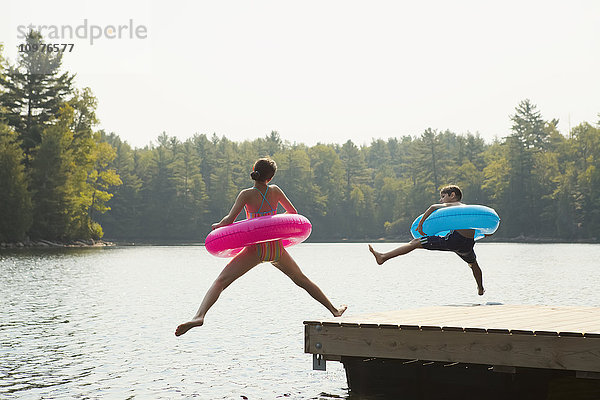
(34, 92)
(387, 193)
(51, 173)
(528, 125)
(528, 137)
(205, 151)
(435, 156)
(272, 144)
(191, 192)
(158, 190)
(294, 173)
(378, 154)
(223, 190)
(327, 173)
(586, 140)
(15, 202)
(124, 218)
(3, 67)
(354, 163)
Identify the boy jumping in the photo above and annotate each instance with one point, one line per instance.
(460, 241)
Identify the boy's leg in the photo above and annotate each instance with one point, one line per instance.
(288, 266)
(237, 267)
(478, 277)
(463, 247)
(403, 249)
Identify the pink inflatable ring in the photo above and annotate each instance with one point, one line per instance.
(227, 241)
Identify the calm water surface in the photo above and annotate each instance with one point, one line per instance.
(99, 323)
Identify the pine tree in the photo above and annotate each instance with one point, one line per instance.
(51, 174)
(528, 126)
(123, 220)
(3, 66)
(15, 202)
(435, 155)
(34, 92)
(190, 191)
(354, 163)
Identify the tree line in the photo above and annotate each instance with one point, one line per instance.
(61, 179)
(55, 176)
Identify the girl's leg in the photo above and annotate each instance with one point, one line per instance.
(242, 263)
(405, 248)
(288, 266)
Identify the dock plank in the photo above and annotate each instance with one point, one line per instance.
(510, 317)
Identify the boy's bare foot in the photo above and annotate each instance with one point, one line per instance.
(340, 310)
(378, 255)
(480, 291)
(186, 326)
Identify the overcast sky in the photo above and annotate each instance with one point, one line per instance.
(323, 71)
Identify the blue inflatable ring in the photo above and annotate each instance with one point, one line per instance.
(482, 219)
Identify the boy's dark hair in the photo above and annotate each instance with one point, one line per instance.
(452, 189)
(264, 169)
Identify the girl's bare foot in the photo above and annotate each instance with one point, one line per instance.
(378, 255)
(186, 326)
(340, 310)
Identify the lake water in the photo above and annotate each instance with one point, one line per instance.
(99, 323)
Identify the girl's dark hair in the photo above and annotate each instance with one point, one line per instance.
(452, 188)
(264, 169)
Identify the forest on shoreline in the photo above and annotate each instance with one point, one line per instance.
(62, 179)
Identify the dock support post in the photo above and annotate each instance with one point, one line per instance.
(319, 363)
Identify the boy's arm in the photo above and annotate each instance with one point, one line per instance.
(430, 210)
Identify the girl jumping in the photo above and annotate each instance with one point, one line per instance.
(259, 200)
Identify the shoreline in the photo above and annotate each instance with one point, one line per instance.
(47, 244)
(90, 243)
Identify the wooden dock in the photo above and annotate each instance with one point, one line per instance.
(553, 342)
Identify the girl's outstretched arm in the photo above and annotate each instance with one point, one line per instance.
(285, 202)
(240, 201)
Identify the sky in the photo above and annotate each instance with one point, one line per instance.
(321, 71)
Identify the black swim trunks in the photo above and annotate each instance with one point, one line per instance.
(454, 241)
